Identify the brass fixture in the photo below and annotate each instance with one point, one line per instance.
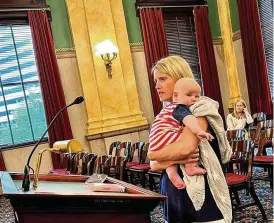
(71, 146)
(108, 52)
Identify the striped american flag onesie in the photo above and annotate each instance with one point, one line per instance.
(165, 129)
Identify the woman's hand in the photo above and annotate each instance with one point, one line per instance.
(194, 157)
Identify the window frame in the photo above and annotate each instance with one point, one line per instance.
(16, 13)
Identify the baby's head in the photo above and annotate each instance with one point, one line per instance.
(186, 91)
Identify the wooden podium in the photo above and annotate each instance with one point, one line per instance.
(66, 199)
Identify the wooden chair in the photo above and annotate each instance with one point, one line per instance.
(114, 167)
(132, 160)
(258, 117)
(113, 146)
(141, 169)
(99, 162)
(268, 124)
(239, 134)
(153, 178)
(261, 159)
(85, 160)
(241, 176)
(123, 148)
(65, 164)
(91, 165)
(75, 162)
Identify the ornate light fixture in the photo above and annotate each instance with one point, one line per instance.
(108, 52)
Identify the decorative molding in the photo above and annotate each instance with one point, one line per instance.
(65, 54)
(65, 49)
(135, 49)
(136, 44)
(37, 2)
(118, 132)
(217, 40)
(236, 35)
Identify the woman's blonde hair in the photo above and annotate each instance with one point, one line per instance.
(174, 66)
(234, 111)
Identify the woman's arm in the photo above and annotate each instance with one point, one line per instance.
(155, 165)
(181, 149)
(229, 122)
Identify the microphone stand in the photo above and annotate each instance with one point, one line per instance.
(26, 178)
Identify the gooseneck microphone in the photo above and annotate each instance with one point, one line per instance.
(26, 179)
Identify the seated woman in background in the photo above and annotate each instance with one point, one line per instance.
(239, 118)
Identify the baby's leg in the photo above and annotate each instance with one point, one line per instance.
(174, 177)
(193, 169)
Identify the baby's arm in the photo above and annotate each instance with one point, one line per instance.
(183, 115)
(191, 122)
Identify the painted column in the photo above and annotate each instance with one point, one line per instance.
(229, 53)
(112, 104)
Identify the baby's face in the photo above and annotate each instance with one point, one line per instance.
(187, 97)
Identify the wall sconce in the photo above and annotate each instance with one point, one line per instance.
(108, 52)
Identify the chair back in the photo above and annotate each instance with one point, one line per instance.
(85, 160)
(114, 167)
(258, 117)
(91, 165)
(137, 146)
(123, 149)
(239, 134)
(243, 158)
(267, 124)
(64, 157)
(143, 154)
(69, 161)
(75, 162)
(266, 136)
(99, 162)
(113, 146)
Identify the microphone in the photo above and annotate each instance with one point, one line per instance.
(26, 179)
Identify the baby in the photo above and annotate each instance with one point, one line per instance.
(166, 127)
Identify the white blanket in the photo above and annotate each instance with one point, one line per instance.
(195, 185)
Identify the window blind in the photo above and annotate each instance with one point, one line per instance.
(181, 39)
(266, 17)
(22, 117)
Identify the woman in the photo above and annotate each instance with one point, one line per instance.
(178, 207)
(239, 118)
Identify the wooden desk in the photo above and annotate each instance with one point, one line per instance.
(65, 199)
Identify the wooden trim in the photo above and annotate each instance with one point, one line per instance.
(15, 10)
(170, 6)
(236, 35)
(118, 132)
(136, 44)
(217, 40)
(135, 49)
(65, 54)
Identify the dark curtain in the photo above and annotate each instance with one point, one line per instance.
(207, 57)
(2, 163)
(254, 58)
(155, 44)
(50, 81)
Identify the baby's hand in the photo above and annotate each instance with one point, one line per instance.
(204, 135)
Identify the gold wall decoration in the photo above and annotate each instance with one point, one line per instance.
(229, 53)
(111, 104)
